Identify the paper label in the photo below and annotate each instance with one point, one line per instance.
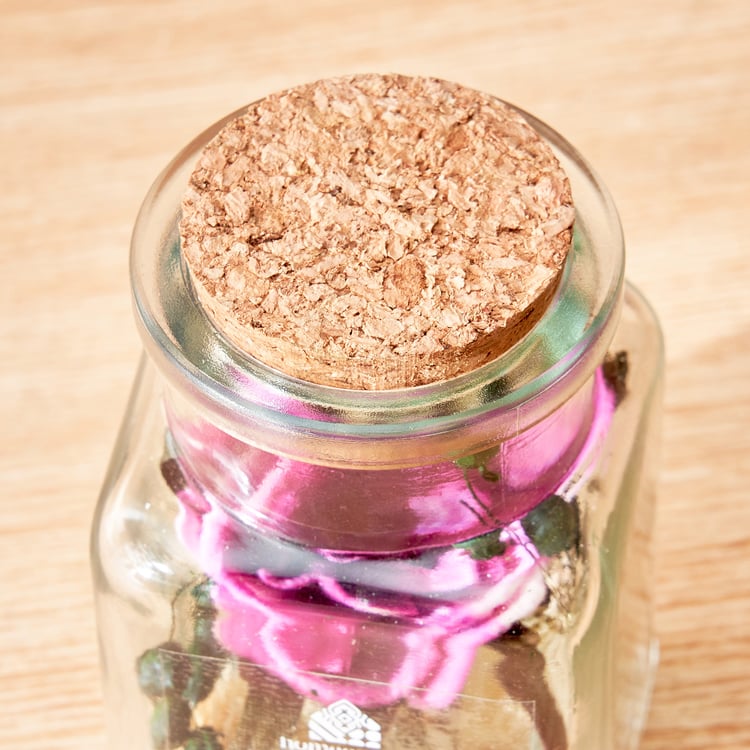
(249, 708)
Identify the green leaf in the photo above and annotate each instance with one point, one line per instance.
(478, 460)
(204, 671)
(203, 738)
(484, 547)
(162, 670)
(170, 723)
(203, 602)
(553, 526)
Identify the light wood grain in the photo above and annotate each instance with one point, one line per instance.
(95, 97)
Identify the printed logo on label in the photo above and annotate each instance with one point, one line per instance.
(341, 724)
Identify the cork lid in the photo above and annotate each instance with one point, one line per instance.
(376, 231)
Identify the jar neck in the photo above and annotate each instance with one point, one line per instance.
(363, 510)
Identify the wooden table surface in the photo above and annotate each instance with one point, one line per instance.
(95, 97)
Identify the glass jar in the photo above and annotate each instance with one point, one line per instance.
(458, 565)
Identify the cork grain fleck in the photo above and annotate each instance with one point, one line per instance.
(376, 231)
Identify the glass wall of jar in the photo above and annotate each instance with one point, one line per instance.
(458, 565)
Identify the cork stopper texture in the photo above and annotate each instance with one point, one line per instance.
(376, 231)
